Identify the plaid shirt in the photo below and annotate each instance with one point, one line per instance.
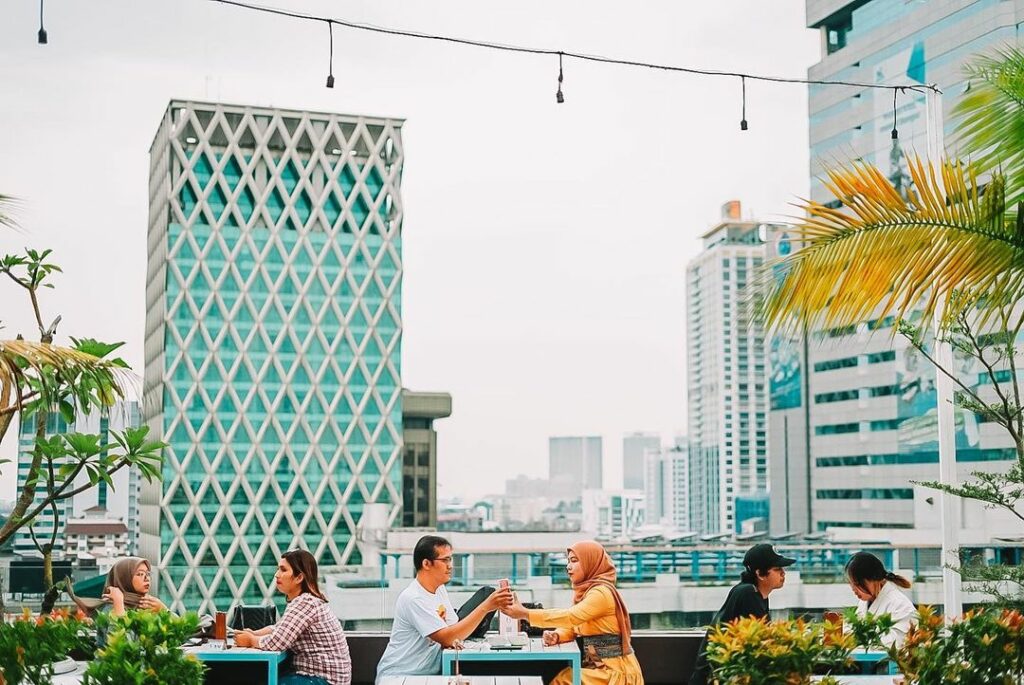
(312, 633)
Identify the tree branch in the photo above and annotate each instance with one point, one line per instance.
(991, 375)
(920, 348)
(61, 495)
(28, 491)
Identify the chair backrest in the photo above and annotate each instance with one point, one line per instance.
(253, 616)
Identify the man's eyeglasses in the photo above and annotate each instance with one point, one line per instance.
(447, 561)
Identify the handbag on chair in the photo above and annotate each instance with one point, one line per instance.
(253, 616)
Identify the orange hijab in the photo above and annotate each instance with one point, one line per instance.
(598, 570)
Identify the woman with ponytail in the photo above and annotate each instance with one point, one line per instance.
(598, 620)
(877, 590)
(764, 571)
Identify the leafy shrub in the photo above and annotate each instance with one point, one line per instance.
(752, 651)
(29, 646)
(144, 648)
(985, 647)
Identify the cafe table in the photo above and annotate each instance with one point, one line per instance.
(210, 654)
(534, 650)
(462, 680)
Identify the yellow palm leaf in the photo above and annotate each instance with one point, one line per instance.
(881, 250)
(20, 356)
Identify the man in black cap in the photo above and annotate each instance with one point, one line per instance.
(764, 570)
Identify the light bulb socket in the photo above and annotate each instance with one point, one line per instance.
(895, 134)
(330, 80)
(559, 98)
(743, 124)
(42, 37)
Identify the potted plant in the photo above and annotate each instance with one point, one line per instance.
(753, 651)
(144, 648)
(985, 647)
(29, 646)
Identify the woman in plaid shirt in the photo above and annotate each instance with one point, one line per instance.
(308, 629)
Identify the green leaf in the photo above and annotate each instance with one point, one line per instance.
(67, 412)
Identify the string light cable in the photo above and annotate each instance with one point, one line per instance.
(920, 88)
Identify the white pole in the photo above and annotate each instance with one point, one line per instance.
(952, 596)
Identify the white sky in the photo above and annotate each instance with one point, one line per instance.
(544, 244)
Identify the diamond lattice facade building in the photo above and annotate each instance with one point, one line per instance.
(273, 342)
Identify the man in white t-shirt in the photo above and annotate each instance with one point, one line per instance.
(425, 621)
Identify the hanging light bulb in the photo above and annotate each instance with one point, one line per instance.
(559, 98)
(743, 116)
(330, 63)
(895, 133)
(42, 31)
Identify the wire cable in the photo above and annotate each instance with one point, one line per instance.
(917, 88)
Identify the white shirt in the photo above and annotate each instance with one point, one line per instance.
(418, 614)
(893, 602)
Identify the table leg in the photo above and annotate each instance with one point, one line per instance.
(577, 669)
(446, 664)
(271, 672)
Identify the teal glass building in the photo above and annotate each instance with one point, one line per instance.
(273, 342)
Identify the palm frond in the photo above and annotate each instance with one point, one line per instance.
(880, 250)
(20, 357)
(7, 206)
(990, 118)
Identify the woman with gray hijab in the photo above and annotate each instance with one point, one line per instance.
(127, 587)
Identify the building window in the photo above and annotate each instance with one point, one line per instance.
(835, 34)
(837, 429)
(866, 493)
(832, 364)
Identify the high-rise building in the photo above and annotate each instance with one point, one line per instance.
(853, 413)
(612, 515)
(634, 446)
(273, 342)
(667, 491)
(419, 460)
(726, 395)
(119, 502)
(575, 463)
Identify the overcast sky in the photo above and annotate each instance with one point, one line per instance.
(544, 245)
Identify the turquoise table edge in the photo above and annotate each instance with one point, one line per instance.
(272, 659)
(863, 657)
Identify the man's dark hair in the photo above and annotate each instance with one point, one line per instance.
(426, 549)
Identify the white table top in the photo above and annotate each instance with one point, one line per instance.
(73, 677)
(865, 679)
(535, 645)
(466, 679)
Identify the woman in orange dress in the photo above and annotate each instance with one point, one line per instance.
(598, 620)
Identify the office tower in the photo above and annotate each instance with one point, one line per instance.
(117, 502)
(634, 446)
(612, 515)
(667, 491)
(727, 409)
(419, 460)
(575, 464)
(273, 342)
(853, 413)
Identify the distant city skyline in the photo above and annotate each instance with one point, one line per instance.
(544, 244)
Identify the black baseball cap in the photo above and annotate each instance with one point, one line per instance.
(763, 557)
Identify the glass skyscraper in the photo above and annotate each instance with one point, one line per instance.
(273, 342)
(853, 413)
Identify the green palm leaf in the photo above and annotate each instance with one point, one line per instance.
(7, 207)
(880, 251)
(990, 118)
(19, 357)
